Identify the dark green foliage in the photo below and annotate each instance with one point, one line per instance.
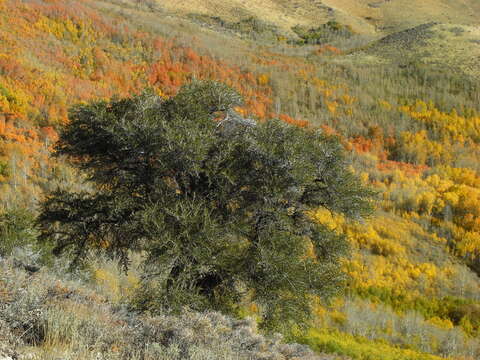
(16, 229)
(4, 169)
(461, 314)
(219, 208)
(325, 33)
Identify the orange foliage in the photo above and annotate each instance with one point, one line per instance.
(109, 59)
(328, 130)
(327, 50)
(57, 53)
(290, 120)
(408, 169)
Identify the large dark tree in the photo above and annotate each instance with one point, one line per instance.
(218, 204)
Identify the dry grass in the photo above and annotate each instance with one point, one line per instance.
(283, 13)
(434, 336)
(456, 46)
(390, 16)
(372, 19)
(365, 16)
(45, 317)
(453, 46)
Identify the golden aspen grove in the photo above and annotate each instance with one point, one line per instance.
(369, 75)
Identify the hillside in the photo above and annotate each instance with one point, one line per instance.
(398, 26)
(396, 81)
(72, 320)
(365, 16)
(454, 47)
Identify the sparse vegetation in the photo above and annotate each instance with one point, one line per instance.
(43, 318)
(251, 27)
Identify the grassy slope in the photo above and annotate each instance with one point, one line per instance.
(446, 45)
(374, 19)
(384, 16)
(280, 12)
(390, 16)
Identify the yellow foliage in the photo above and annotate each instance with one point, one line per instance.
(360, 348)
(320, 311)
(347, 99)
(430, 270)
(253, 308)
(327, 218)
(13, 99)
(332, 107)
(338, 317)
(424, 150)
(64, 28)
(470, 244)
(114, 283)
(441, 323)
(263, 80)
(108, 281)
(451, 125)
(385, 104)
(392, 268)
(160, 93)
(364, 177)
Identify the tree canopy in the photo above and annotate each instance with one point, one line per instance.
(218, 204)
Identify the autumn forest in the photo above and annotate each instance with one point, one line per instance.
(410, 132)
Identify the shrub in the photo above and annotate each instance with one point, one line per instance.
(325, 33)
(16, 229)
(218, 207)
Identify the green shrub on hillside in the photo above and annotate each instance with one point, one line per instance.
(323, 34)
(16, 229)
(219, 207)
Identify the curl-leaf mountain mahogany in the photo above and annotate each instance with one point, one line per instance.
(220, 208)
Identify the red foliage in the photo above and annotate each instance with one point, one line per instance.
(408, 169)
